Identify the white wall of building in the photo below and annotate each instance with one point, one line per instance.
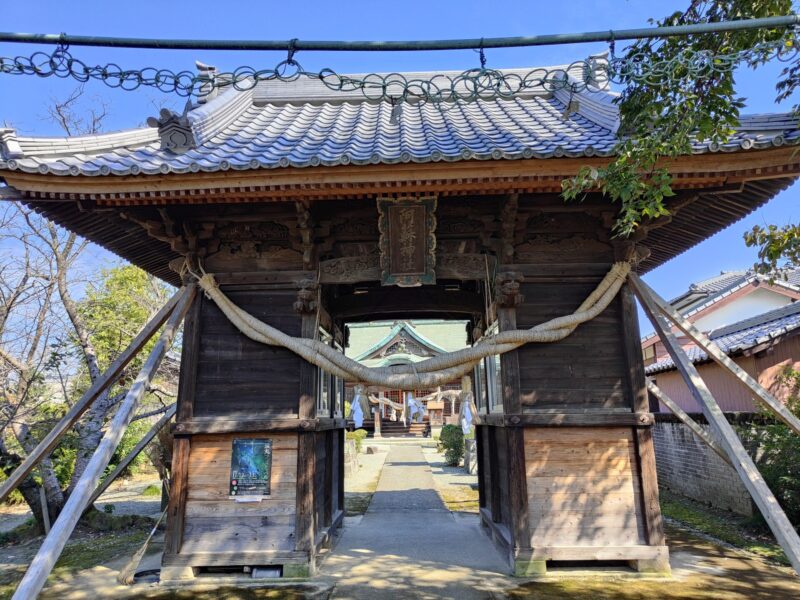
(755, 303)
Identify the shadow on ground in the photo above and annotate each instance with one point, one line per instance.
(701, 571)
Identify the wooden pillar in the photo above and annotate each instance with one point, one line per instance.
(340, 481)
(190, 352)
(643, 436)
(177, 497)
(495, 500)
(376, 413)
(306, 447)
(480, 450)
(181, 445)
(508, 298)
(329, 491)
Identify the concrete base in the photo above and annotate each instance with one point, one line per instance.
(654, 566)
(173, 573)
(529, 568)
(296, 571)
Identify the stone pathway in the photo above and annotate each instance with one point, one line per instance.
(408, 545)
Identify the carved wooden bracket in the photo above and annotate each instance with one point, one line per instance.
(306, 302)
(507, 289)
(305, 228)
(629, 251)
(508, 226)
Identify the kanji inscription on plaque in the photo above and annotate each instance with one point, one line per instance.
(408, 241)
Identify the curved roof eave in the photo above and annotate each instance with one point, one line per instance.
(278, 125)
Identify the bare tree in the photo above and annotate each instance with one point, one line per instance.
(46, 344)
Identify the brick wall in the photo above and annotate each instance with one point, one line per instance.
(687, 466)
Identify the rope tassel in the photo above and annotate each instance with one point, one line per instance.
(431, 372)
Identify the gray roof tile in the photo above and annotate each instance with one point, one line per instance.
(303, 123)
(742, 336)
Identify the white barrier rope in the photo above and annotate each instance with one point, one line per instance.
(385, 402)
(431, 372)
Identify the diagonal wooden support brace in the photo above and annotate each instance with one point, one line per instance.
(108, 378)
(123, 464)
(714, 352)
(52, 546)
(748, 472)
(687, 420)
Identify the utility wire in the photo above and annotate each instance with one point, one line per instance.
(403, 46)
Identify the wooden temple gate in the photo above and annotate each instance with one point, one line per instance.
(565, 451)
(566, 460)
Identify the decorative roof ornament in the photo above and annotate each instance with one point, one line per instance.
(9, 146)
(175, 130)
(207, 75)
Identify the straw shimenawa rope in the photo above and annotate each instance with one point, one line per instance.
(431, 372)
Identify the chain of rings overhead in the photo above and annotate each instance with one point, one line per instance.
(592, 74)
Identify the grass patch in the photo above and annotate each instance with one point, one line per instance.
(459, 499)
(356, 503)
(92, 549)
(21, 533)
(103, 521)
(732, 529)
(152, 490)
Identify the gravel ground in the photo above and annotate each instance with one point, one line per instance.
(366, 477)
(125, 495)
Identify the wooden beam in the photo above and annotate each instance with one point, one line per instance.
(123, 464)
(45, 509)
(687, 420)
(598, 418)
(601, 553)
(717, 168)
(379, 301)
(714, 351)
(355, 269)
(203, 426)
(111, 374)
(768, 505)
(42, 564)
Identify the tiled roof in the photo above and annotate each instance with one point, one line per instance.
(742, 336)
(303, 123)
(707, 292)
(704, 293)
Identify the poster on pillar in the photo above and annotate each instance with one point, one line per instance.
(407, 240)
(251, 467)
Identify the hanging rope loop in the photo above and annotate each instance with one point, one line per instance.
(431, 372)
(290, 54)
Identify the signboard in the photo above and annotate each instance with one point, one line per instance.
(407, 241)
(251, 467)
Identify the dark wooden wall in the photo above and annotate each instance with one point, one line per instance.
(241, 378)
(584, 371)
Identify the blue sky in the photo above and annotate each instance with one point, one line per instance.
(23, 100)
